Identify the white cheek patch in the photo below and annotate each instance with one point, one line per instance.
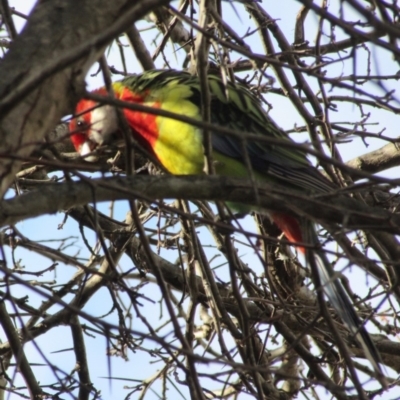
(104, 122)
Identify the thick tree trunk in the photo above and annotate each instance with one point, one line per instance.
(43, 73)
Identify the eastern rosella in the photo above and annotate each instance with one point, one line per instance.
(178, 146)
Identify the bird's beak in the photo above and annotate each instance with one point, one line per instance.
(86, 151)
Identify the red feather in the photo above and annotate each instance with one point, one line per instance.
(290, 227)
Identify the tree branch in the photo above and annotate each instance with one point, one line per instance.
(54, 197)
(41, 77)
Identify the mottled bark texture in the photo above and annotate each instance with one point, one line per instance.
(43, 73)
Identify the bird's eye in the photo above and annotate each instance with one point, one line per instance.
(81, 125)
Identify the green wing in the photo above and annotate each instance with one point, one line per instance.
(233, 106)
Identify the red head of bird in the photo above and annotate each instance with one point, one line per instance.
(92, 127)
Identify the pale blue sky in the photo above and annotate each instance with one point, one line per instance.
(46, 227)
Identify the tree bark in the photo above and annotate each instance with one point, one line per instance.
(42, 75)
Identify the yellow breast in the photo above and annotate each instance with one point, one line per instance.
(179, 145)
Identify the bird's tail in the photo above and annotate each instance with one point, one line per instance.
(340, 301)
(332, 287)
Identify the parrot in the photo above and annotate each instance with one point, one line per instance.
(178, 147)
